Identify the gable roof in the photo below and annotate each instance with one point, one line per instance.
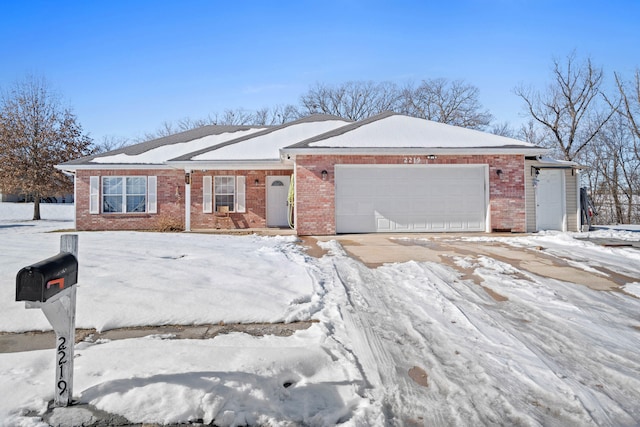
(263, 146)
(158, 151)
(388, 132)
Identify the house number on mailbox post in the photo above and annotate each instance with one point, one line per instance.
(50, 286)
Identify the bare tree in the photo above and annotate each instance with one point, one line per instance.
(569, 111)
(630, 103)
(37, 133)
(278, 115)
(351, 100)
(503, 129)
(452, 102)
(617, 168)
(110, 143)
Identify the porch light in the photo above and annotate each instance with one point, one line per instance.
(257, 181)
(187, 178)
(499, 173)
(324, 174)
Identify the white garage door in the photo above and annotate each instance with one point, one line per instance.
(410, 198)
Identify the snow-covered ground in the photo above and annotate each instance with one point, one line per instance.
(410, 343)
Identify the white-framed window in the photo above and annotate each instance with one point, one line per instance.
(125, 194)
(228, 191)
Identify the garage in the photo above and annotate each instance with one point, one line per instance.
(410, 198)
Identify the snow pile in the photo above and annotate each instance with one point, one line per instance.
(491, 342)
(128, 279)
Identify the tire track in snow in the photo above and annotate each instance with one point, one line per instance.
(566, 320)
(488, 362)
(387, 347)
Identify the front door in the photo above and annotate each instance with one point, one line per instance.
(277, 207)
(550, 204)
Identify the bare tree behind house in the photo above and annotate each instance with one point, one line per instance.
(615, 173)
(355, 100)
(451, 102)
(503, 129)
(570, 111)
(37, 133)
(630, 104)
(110, 143)
(278, 115)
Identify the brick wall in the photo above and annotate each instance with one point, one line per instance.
(315, 197)
(170, 193)
(256, 200)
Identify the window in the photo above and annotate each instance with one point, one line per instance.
(225, 192)
(228, 191)
(128, 194)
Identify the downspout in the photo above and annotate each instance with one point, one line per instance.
(187, 200)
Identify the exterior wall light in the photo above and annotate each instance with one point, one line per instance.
(257, 181)
(187, 178)
(324, 174)
(499, 173)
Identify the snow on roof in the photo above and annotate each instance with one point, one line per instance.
(159, 155)
(389, 130)
(268, 143)
(556, 162)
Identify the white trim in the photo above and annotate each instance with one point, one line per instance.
(290, 153)
(487, 200)
(152, 194)
(94, 195)
(207, 194)
(107, 166)
(187, 202)
(241, 194)
(274, 164)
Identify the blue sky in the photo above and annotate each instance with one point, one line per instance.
(127, 66)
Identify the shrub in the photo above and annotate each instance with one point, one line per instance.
(166, 223)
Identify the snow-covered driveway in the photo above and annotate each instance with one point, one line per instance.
(436, 348)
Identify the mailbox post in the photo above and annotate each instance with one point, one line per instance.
(50, 286)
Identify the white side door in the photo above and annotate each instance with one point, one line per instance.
(550, 204)
(277, 207)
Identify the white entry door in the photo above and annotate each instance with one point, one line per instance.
(550, 206)
(277, 207)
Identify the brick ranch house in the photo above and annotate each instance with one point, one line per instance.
(324, 175)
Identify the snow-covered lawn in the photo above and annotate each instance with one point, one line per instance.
(550, 353)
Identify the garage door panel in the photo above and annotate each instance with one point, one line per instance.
(405, 199)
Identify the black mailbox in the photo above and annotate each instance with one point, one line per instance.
(41, 281)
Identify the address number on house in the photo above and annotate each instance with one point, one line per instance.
(412, 160)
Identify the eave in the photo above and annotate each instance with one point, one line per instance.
(111, 166)
(290, 153)
(266, 164)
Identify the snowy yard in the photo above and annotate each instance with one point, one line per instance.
(414, 343)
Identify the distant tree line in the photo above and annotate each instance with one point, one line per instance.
(454, 102)
(578, 115)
